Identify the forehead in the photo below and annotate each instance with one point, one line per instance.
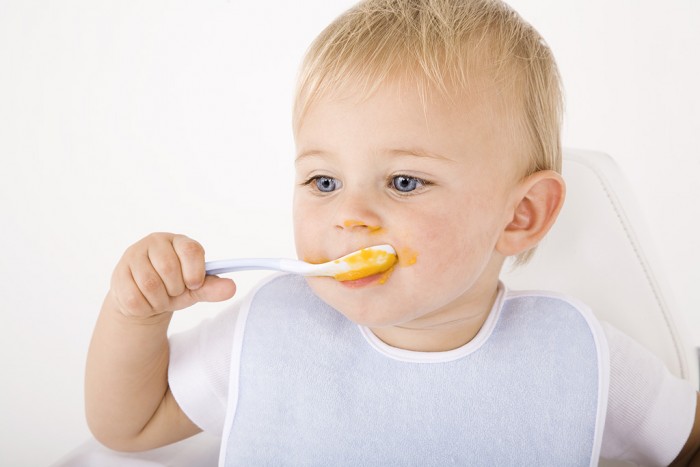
(401, 113)
(390, 106)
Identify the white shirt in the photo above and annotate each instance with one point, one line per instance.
(649, 418)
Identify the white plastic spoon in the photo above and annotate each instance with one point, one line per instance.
(356, 265)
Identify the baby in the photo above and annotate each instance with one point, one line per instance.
(432, 126)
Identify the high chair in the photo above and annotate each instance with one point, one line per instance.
(598, 251)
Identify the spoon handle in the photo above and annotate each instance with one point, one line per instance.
(249, 264)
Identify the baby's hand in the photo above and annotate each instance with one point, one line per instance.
(164, 272)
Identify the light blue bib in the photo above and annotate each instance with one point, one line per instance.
(313, 391)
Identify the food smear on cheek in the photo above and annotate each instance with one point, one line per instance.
(366, 262)
(407, 257)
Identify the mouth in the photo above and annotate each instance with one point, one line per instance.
(375, 279)
(365, 263)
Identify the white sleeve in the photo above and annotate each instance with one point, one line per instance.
(198, 372)
(650, 411)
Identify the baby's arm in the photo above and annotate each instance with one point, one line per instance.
(690, 454)
(128, 403)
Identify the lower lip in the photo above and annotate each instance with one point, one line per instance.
(363, 282)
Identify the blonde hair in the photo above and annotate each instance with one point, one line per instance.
(443, 45)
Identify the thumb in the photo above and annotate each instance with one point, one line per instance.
(214, 289)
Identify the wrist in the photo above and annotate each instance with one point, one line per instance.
(111, 307)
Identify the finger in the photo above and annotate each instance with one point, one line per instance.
(167, 264)
(150, 283)
(214, 289)
(129, 298)
(191, 256)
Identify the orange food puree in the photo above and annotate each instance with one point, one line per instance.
(366, 262)
(407, 257)
(371, 228)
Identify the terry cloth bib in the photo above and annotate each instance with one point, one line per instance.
(313, 390)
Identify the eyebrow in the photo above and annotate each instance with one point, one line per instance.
(418, 152)
(311, 153)
(409, 152)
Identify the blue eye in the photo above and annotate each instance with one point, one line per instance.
(326, 184)
(406, 184)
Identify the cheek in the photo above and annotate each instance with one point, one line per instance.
(424, 246)
(306, 231)
(301, 227)
(448, 242)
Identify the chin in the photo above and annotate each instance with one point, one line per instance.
(359, 306)
(366, 317)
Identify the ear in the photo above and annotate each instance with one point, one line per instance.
(536, 204)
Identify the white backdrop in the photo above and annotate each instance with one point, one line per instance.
(122, 118)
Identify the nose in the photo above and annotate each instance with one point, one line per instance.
(358, 212)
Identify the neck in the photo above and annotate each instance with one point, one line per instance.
(441, 331)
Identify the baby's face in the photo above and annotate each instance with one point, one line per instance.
(433, 181)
